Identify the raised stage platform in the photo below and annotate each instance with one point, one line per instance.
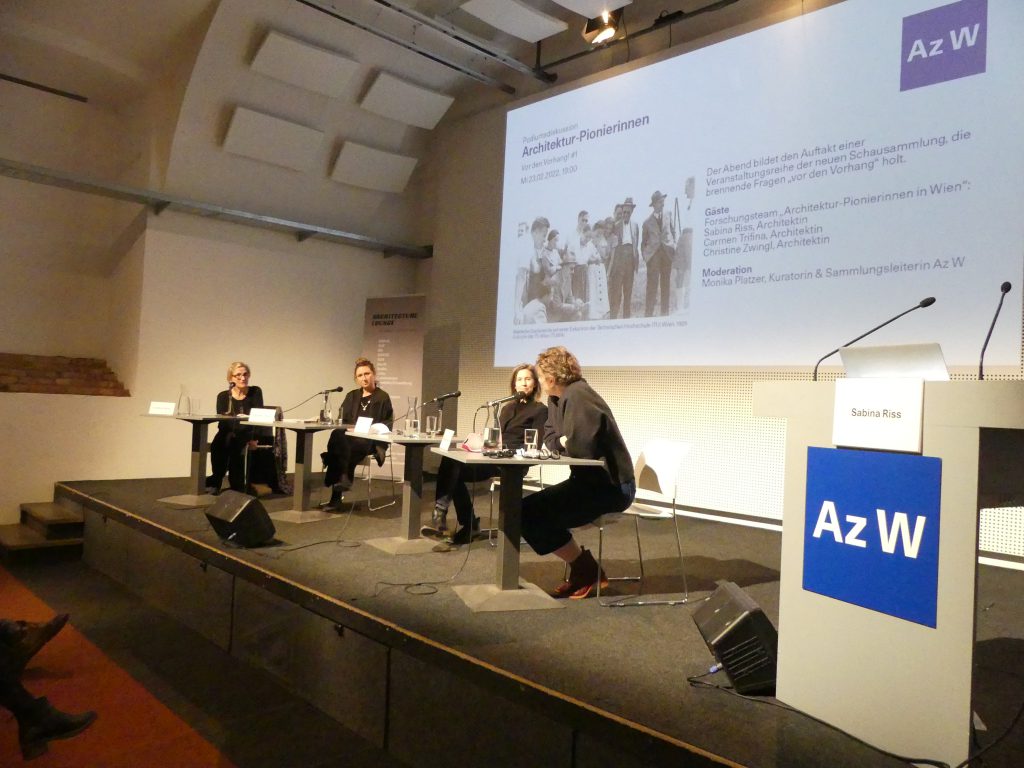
(383, 644)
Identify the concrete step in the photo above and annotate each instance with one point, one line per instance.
(53, 520)
(20, 543)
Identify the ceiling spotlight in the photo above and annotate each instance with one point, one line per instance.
(603, 28)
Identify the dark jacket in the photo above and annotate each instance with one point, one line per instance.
(587, 423)
(379, 408)
(516, 417)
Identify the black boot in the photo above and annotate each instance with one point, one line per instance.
(438, 527)
(45, 724)
(32, 637)
(466, 533)
(335, 503)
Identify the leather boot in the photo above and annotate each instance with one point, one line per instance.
(589, 574)
(583, 575)
(46, 723)
(32, 637)
(335, 503)
(438, 523)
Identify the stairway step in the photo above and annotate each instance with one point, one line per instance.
(22, 543)
(53, 520)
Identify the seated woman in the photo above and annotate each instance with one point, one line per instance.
(227, 451)
(525, 412)
(581, 425)
(345, 452)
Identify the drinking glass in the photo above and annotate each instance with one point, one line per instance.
(530, 437)
(195, 406)
(413, 427)
(431, 425)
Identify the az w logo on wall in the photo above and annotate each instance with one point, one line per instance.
(871, 533)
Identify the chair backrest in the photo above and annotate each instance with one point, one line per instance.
(657, 467)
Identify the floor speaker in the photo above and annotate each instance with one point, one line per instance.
(240, 519)
(741, 638)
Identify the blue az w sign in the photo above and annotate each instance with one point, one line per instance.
(871, 533)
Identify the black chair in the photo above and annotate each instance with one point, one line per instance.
(267, 462)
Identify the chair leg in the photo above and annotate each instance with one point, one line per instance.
(600, 563)
(369, 486)
(679, 549)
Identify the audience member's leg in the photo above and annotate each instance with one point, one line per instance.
(38, 721)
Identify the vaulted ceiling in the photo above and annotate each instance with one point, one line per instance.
(218, 100)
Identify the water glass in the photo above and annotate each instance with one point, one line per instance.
(413, 427)
(530, 438)
(195, 406)
(431, 425)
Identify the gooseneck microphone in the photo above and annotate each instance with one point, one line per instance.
(920, 305)
(1004, 289)
(441, 398)
(500, 400)
(328, 391)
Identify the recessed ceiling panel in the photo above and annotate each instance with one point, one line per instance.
(371, 168)
(591, 9)
(515, 18)
(272, 140)
(304, 65)
(405, 102)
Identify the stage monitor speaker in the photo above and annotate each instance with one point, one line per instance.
(240, 519)
(741, 638)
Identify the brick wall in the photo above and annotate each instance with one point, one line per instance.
(58, 376)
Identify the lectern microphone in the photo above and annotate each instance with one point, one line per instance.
(921, 304)
(1004, 289)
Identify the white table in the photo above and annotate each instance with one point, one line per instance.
(509, 592)
(198, 497)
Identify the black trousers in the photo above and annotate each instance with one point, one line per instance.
(227, 456)
(452, 480)
(549, 514)
(343, 456)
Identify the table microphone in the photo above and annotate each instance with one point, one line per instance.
(1004, 289)
(500, 400)
(439, 398)
(923, 303)
(336, 389)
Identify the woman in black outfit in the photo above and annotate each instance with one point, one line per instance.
(227, 452)
(525, 412)
(343, 452)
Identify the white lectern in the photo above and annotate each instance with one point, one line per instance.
(901, 686)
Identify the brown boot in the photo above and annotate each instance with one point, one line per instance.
(583, 574)
(33, 637)
(588, 575)
(46, 724)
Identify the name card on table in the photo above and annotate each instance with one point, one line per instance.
(157, 408)
(884, 414)
(262, 415)
(446, 439)
(363, 424)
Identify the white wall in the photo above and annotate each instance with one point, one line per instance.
(43, 312)
(210, 293)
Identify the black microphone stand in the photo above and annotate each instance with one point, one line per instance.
(1005, 288)
(923, 303)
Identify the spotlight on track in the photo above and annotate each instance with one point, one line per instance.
(603, 28)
